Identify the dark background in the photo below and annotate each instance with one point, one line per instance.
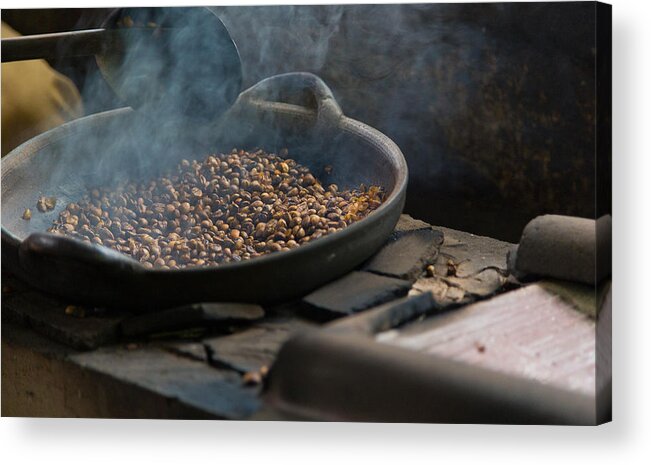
(493, 105)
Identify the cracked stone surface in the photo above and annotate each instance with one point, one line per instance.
(247, 350)
(406, 253)
(354, 292)
(467, 268)
(190, 316)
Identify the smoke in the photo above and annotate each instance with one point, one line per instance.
(279, 39)
(491, 104)
(175, 68)
(391, 66)
(178, 69)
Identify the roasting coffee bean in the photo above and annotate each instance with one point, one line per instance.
(226, 208)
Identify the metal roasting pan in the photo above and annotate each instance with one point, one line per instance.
(296, 111)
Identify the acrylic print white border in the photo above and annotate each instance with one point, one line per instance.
(625, 440)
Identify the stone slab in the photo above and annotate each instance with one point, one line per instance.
(386, 316)
(406, 254)
(191, 316)
(85, 329)
(353, 293)
(530, 332)
(218, 392)
(407, 223)
(248, 350)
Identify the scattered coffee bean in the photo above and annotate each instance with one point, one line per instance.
(251, 378)
(76, 311)
(45, 204)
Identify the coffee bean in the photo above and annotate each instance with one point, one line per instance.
(226, 208)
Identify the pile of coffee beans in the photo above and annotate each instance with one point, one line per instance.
(228, 207)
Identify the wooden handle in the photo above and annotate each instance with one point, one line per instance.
(73, 43)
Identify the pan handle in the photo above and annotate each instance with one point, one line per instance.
(50, 260)
(277, 89)
(74, 43)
